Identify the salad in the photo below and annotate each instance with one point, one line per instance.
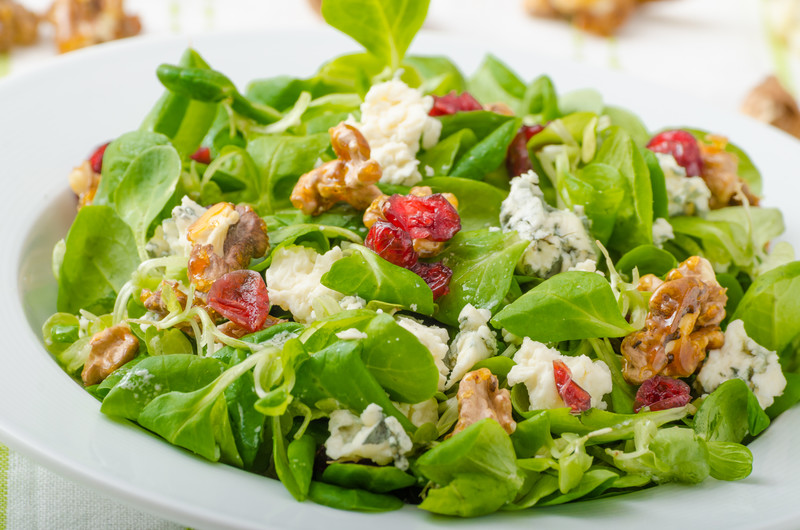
(388, 283)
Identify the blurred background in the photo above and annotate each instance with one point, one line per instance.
(737, 55)
(716, 50)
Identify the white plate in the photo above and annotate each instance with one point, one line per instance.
(51, 118)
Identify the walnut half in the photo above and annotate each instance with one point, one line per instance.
(350, 178)
(683, 322)
(479, 397)
(110, 349)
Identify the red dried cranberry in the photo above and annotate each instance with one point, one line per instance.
(202, 155)
(660, 393)
(430, 217)
(436, 275)
(573, 395)
(241, 297)
(682, 146)
(392, 244)
(452, 103)
(531, 130)
(96, 160)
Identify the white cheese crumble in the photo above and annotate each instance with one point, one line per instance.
(534, 368)
(349, 303)
(686, 195)
(435, 339)
(588, 265)
(474, 343)
(394, 120)
(742, 357)
(662, 232)
(373, 436)
(351, 334)
(420, 413)
(559, 239)
(170, 236)
(293, 279)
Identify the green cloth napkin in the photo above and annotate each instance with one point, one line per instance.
(34, 498)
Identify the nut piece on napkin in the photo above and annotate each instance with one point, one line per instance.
(18, 26)
(81, 23)
(771, 103)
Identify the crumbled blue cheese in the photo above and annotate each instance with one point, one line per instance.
(742, 357)
(559, 238)
(394, 120)
(588, 265)
(435, 339)
(351, 334)
(293, 279)
(373, 436)
(170, 236)
(687, 195)
(662, 232)
(420, 413)
(474, 343)
(534, 369)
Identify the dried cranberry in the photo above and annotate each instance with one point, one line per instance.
(431, 217)
(518, 160)
(392, 244)
(660, 393)
(436, 275)
(452, 103)
(573, 395)
(241, 297)
(96, 160)
(682, 146)
(202, 155)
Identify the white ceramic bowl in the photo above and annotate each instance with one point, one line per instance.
(52, 118)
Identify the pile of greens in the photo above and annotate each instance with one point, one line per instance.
(262, 403)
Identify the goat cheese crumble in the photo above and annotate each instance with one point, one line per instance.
(373, 436)
(435, 339)
(351, 334)
(534, 368)
(559, 239)
(475, 342)
(686, 195)
(395, 121)
(293, 279)
(742, 357)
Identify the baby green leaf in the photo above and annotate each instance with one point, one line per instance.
(352, 499)
(384, 27)
(118, 156)
(571, 305)
(483, 266)
(379, 479)
(729, 461)
(99, 258)
(371, 277)
(145, 188)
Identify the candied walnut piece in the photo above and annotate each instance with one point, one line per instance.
(601, 17)
(721, 174)
(661, 393)
(18, 26)
(110, 349)
(683, 322)
(81, 23)
(771, 103)
(85, 178)
(350, 178)
(479, 397)
(245, 240)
